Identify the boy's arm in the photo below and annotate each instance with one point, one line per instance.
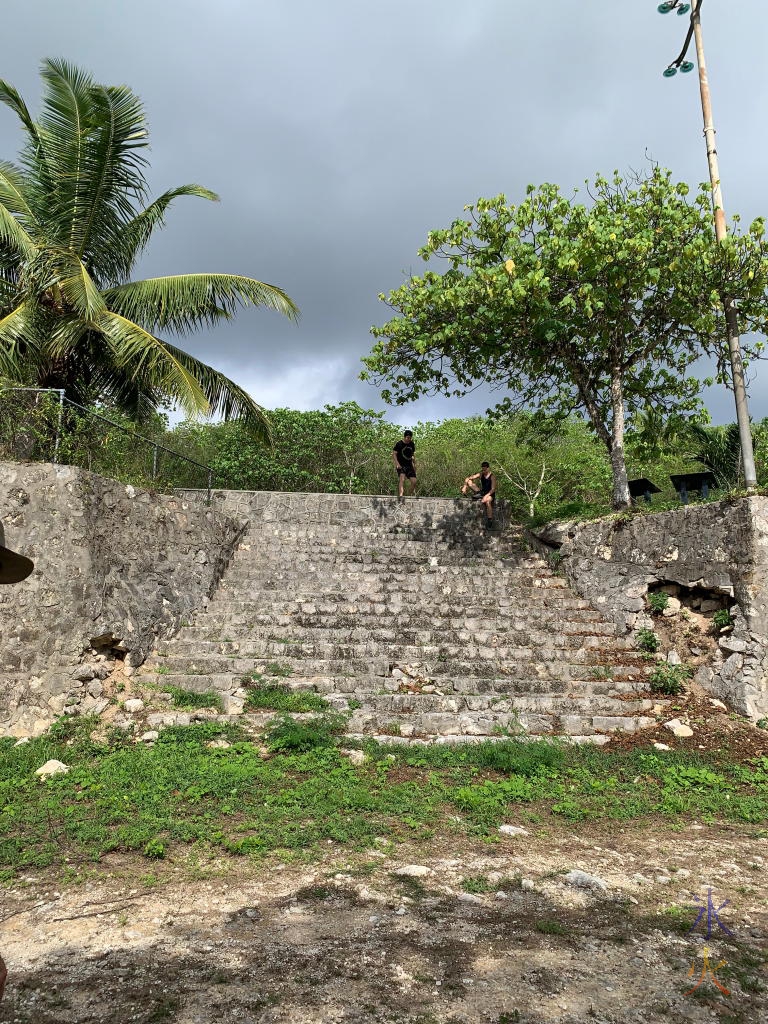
(395, 461)
(493, 484)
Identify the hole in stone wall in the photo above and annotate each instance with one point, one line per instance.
(689, 619)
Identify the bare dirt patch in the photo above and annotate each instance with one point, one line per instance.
(350, 940)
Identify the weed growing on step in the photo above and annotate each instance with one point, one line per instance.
(647, 641)
(291, 734)
(669, 679)
(155, 801)
(181, 698)
(264, 696)
(281, 671)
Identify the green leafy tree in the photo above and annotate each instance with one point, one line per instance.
(599, 309)
(72, 225)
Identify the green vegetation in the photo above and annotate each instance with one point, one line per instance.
(267, 696)
(602, 307)
(291, 734)
(647, 641)
(722, 619)
(180, 793)
(72, 227)
(181, 698)
(669, 679)
(658, 601)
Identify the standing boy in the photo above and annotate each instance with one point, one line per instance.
(403, 457)
(486, 490)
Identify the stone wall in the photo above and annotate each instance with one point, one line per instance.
(721, 547)
(360, 510)
(115, 568)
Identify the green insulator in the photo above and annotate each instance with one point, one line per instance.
(683, 8)
(687, 66)
(664, 8)
(670, 72)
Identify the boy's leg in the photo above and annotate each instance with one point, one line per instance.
(488, 502)
(469, 484)
(400, 482)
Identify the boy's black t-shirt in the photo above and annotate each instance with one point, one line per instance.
(405, 451)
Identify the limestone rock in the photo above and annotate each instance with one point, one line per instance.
(673, 608)
(150, 736)
(95, 688)
(583, 880)
(133, 705)
(52, 767)
(413, 871)
(678, 728)
(661, 746)
(513, 830)
(354, 756)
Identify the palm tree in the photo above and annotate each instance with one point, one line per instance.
(73, 222)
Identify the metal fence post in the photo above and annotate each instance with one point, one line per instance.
(210, 483)
(59, 423)
(154, 461)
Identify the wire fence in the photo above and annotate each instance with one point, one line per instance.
(43, 425)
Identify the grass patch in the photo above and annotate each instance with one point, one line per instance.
(181, 698)
(264, 696)
(157, 800)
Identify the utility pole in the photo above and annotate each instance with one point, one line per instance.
(721, 227)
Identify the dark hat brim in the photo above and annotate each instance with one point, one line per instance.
(14, 568)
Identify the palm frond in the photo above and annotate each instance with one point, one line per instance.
(718, 449)
(143, 356)
(91, 135)
(80, 290)
(113, 180)
(135, 235)
(13, 186)
(226, 399)
(189, 301)
(18, 341)
(13, 238)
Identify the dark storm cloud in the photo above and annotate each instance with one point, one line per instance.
(338, 133)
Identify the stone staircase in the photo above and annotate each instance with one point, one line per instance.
(419, 621)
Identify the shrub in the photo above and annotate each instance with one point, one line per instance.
(658, 601)
(722, 619)
(669, 679)
(647, 641)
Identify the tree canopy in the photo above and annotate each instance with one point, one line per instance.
(598, 308)
(73, 222)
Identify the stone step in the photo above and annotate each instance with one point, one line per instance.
(458, 627)
(558, 704)
(225, 682)
(426, 581)
(425, 612)
(523, 725)
(619, 648)
(551, 668)
(293, 631)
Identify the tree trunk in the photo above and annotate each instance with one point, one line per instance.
(621, 498)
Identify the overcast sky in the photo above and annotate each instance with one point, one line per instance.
(339, 132)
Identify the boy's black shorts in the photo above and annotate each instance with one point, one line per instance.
(407, 471)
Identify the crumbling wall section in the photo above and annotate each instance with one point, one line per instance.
(116, 568)
(720, 547)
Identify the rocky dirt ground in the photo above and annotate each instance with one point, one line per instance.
(494, 933)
